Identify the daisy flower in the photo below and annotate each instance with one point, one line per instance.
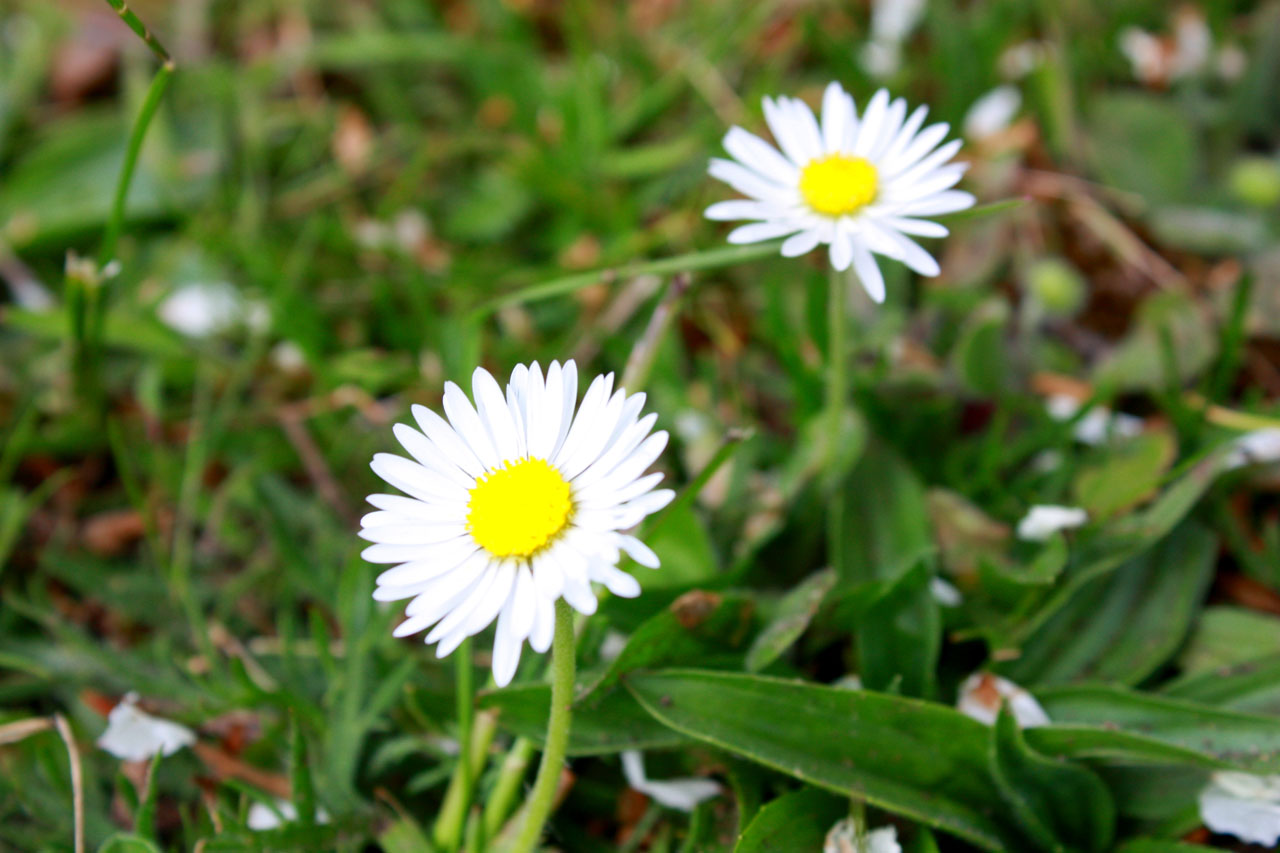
(861, 185)
(511, 504)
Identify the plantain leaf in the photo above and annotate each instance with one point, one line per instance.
(795, 612)
(924, 761)
(1061, 805)
(799, 820)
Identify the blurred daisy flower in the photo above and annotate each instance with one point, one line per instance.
(845, 838)
(859, 184)
(511, 504)
(134, 735)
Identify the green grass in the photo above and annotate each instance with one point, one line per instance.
(412, 189)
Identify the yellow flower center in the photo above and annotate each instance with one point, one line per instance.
(835, 185)
(517, 509)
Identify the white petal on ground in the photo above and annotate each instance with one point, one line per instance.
(945, 593)
(1243, 805)
(1098, 426)
(600, 449)
(843, 838)
(993, 112)
(682, 794)
(263, 817)
(914, 176)
(1044, 520)
(1260, 447)
(982, 694)
(134, 735)
(203, 309)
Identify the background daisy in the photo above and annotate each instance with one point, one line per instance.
(861, 185)
(513, 503)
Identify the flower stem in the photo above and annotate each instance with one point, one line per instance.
(837, 381)
(507, 787)
(449, 826)
(544, 786)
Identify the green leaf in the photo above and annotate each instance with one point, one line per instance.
(795, 612)
(1228, 636)
(1247, 741)
(1138, 363)
(1159, 845)
(1061, 805)
(126, 843)
(682, 543)
(799, 820)
(924, 761)
(899, 635)
(1129, 472)
(1123, 626)
(885, 520)
(304, 795)
(980, 357)
(607, 723)
(1252, 686)
(697, 626)
(1121, 129)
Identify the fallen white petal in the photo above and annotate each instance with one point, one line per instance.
(134, 735)
(1243, 805)
(843, 838)
(982, 694)
(1043, 521)
(262, 816)
(682, 794)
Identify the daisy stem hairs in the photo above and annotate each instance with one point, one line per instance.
(837, 357)
(544, 786)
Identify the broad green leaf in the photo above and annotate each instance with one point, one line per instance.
(698, 626)
(899, 635)
(608, 723)
(1252, 686)
(924, 761)
(1129, 472)
(980, 357)
(1123, 626)
(1247, 741)
(1228, 636)
(1121, 129)
(684, 546)
(885, 524)
(1063, 806)
(799, 820)
(1139, 363)
(795, 611)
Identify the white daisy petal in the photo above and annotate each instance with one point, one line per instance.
(462, 416)
(841, 249)
(492, 408)
(739, 208)
(444, 437)
(757, 232)
(802, 243)
(134, 735)
(638, 551)
(837, 117)
(748, 182)
(506, 644)
(760, 157)
(873, 119)
(544, 624)
(868, 272)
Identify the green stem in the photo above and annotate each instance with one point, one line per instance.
(449, 826)
(837, 382)
(640, 363)
(692, 262)
(544, 786)
(126, 15)
(503, 795)
(149, 105)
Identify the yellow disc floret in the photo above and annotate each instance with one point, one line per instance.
(836, 184)
(516, 510)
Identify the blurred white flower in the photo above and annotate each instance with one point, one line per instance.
(511, 504)
(982, 694)
(860, 185)
(288, 357)
(1098, 426)
(1260, 447)
(134, 735)
(204, 309)
(993, 112)
(1161, 60)
(262, 817)
(944, 593)
(843, 838)
(1021, 59)
(1243, 805)
(891, 22)
(612, 645)
(682, 794)
(1042, 521)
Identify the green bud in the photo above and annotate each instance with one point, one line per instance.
(1256, 181)
(1057, 286)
